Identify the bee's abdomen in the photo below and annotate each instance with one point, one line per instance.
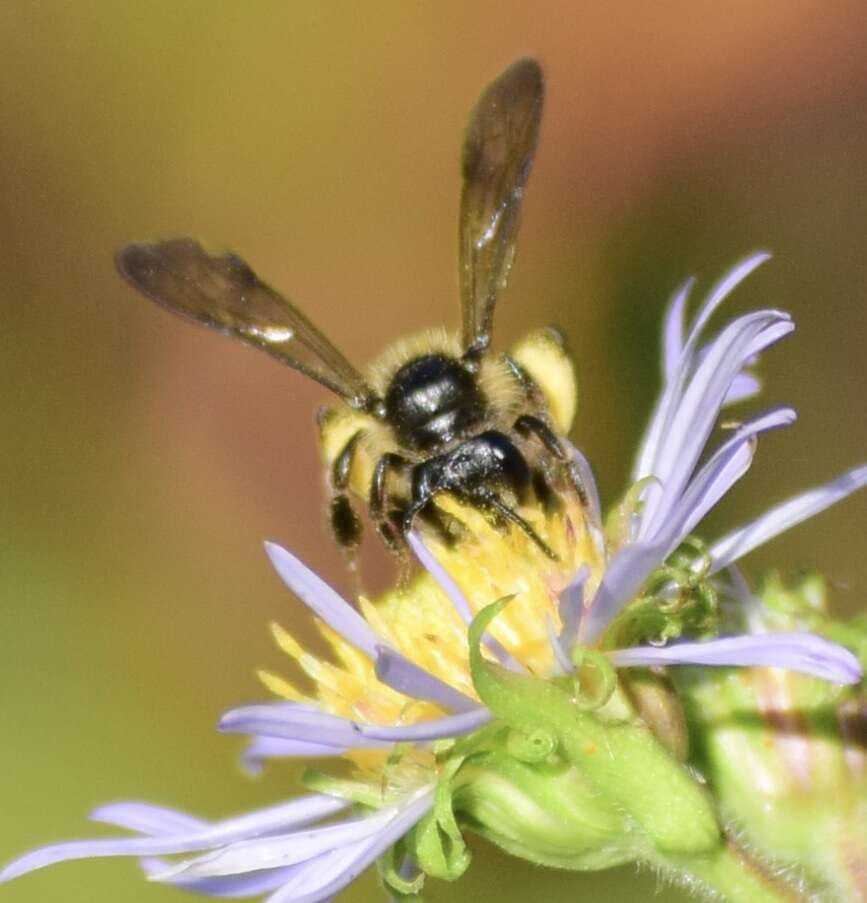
(432, 401)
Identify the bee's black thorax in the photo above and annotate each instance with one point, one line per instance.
(432, 401)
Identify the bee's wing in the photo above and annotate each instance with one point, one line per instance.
(497, 154)
(224, 293)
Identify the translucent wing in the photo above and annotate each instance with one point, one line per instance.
(225, 294)
(498, 150)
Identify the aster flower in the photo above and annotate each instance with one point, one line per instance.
(485, 696)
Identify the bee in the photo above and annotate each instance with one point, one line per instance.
(438, 414)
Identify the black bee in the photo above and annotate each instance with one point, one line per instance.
(436, 414)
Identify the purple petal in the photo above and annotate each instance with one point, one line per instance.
(672, 394)
(435, 729)
(402, 675)
(804, 652)
(562, 662)
(744, 386)
(722, 470)
(672, 330)
(633, 564)
(252, 884)
(320, 880)
(429, 562)
(332, 608)
(571, 608)
(289, 722)
(288, 815)
(588, 481)
(627, 570)
(317, 595)
(697, 412)
(779, 519)
(729, 282)
(145, 818)
(261, 748)
(279, 851)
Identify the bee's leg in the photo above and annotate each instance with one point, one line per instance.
(545, 495)
(345, 523)
(487, 498)
(531, 391)
(528, 425)
(378, 500)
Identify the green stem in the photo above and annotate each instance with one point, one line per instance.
(731, 873)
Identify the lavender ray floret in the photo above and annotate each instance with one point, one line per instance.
(722, 470)
(588, 481)
(626, 572)
(261, 748)
(297, 812)
(319, 881)
(804, 652)
(672, 330)
(571, 608)
(562, 662)
(145, 818)
(670, 399)
(739, 542)
(331, 607)
(402, 675)
(698, 411)
(280, 850)
(252, 884)
(325, 603)
(435, 729)
(282, 721)
(744, 386)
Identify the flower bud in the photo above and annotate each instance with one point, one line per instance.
(784, 753)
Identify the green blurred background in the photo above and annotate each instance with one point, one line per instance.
(143, 460)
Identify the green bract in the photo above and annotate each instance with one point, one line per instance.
(568, 775)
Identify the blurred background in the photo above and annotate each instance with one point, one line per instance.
(143, 461)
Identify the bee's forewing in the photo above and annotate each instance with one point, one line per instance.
(498, 150)
(222, 292)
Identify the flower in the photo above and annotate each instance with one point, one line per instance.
(444, 738)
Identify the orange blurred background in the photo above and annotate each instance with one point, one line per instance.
(144, 461)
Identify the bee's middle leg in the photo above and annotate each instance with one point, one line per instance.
(345, 523)
(379, 502)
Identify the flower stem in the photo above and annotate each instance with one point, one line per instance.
(733, 874)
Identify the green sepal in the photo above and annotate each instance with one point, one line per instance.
(404, 890)
(678, 601)
(437, 842)
(622, 759)
(595, 679)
